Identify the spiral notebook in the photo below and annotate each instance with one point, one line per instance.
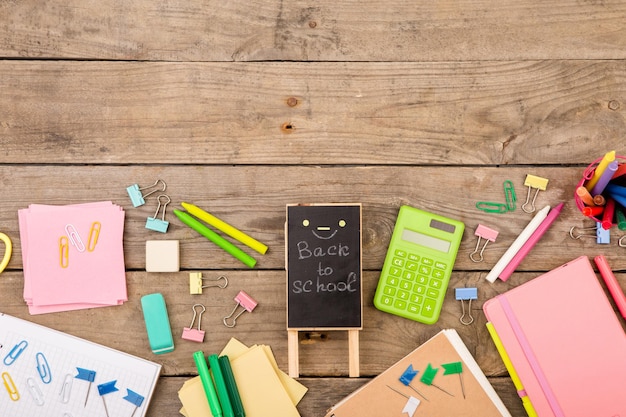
(447, 360)
(47, 373)
(564, 341)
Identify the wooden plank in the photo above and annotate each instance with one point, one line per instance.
(253, 199)
(474, 113)
(201, 30)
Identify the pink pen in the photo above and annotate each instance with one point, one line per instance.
(532, 240)
(611, 283)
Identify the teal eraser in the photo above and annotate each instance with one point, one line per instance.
(157, 323)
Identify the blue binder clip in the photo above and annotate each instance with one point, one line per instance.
(134, 192)
(468, 294)
(159, 225)
(602, 236)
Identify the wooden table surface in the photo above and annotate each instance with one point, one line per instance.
(245, 106)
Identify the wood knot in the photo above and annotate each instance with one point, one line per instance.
(292, 102)
(614, 105)
(287, 127)
(312, 24)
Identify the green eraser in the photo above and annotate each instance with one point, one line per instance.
(157, 323)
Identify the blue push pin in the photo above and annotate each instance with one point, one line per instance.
(104, 389)
(134, 192)
(159, 225)
(135, 399)
(466, 294)
(86, 375)
(406, 378)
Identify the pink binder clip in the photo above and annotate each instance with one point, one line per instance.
(195, 335)
(243, 300)
(486, 233)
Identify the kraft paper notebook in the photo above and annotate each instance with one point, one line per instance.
(387, 396)
(564, 341)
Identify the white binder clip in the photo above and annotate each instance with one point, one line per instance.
(246, 302)
(486, 233)
(195, 335)
(159, 225)
(134, 192)
(195, 282)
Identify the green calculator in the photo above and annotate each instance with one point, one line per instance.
(418, 265)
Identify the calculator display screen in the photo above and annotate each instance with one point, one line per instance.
(425, 240)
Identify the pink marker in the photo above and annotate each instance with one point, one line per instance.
(532, 240)
(611, 283)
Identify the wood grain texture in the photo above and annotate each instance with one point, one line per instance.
(451, 113)
(397, 30)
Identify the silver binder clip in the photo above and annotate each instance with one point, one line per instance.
(134, 192)
(159, 225)
(195, 282)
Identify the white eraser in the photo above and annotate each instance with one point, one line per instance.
(162, 256)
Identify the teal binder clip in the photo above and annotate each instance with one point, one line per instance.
(134, 192)
(159, 225)
(157, 323)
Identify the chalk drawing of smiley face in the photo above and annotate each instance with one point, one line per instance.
(324, 232)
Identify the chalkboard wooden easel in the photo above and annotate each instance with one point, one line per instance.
(323, 263)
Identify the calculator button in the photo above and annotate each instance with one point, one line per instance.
(401, 253)
(416, 299)
(421, 279)
(432, 293)
(429, 307)
(413, 257)
(393, 281)
(396, 272)
(389, 290)
(428, 261)
(406, 285)
(435, 283)
(400, 304)
(410, 265)
(440, 265)
(420, 289)
(425, 269)
(403, 295)
(386, 301)
(397, 262)
(438, 274)
(409, 275)
(413, 308)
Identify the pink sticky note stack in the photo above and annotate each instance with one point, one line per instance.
(73, 256)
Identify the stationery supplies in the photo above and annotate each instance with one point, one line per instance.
(231, 385)
(602, 235)
(509, 196)
(8, 250)
(195, 335)
(207, 384)
(162, 256)
(483, 232)
(65, 355)
(375, 398)
(246, 303)
(582, 374)
(157, 323)
(220, 386)
(611, 283)
(418, 265)
(411, 405)
(225, 228)
(466, 294)
(517, 244)
(407, 376)
(104, 389)
(156, 224)
(135, 399)
(531, 242)
(537, 183)
(608, 158)
(73, 256)
(134, 192)
(195, 282)
(429, 375)
(233, 250)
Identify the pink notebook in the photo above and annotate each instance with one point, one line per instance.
(565, 342)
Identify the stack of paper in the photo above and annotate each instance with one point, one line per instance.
(73, 256)
(265, 390)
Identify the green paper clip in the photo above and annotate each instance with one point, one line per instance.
(509, 195)
(489, 207)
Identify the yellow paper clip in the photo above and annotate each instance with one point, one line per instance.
(64, 252)
(14, 394)
(538, 183)
(94, 233)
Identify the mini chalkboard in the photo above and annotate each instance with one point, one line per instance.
(323, 254)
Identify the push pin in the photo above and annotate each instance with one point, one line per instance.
(195, 282)
(159, 225)
(486, 233)
(429, 375)
(195, 335)
(406, 378)
(86, 375)
(602, 236)
(463, 294)
(246, 302)
(538, 183)
(455, 368)
(135, 399)
(134, 192)
(411, 404)
(104, 389)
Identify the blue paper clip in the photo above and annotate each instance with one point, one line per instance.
(159, 225)
(43, 368)
(15, 352)
(134, 192)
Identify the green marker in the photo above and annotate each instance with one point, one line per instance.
(215, 238)
(231, 384)
(207, 383)
(220, 384)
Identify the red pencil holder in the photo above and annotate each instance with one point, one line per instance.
(589, 171)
